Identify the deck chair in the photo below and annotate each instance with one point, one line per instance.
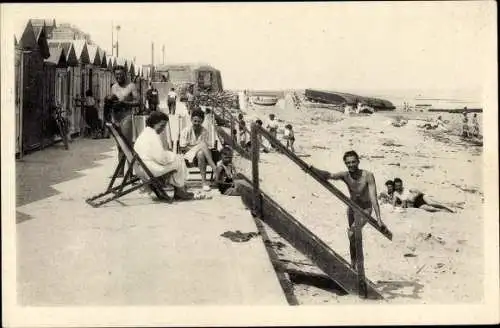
(130, 182)
(209, 124)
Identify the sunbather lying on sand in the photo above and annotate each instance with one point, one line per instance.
(399, 122)
(438, 124)
(415, 198)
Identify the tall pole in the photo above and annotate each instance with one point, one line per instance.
(163, 54)
(152, 54)
(117, 49)
(112, 39)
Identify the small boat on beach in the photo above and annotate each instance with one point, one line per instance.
(265, 100)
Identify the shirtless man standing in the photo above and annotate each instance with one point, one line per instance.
(363, 191)
(124, 97)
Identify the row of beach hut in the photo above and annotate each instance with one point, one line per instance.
(52, 69)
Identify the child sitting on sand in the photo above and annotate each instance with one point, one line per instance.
(225, 172)
(289, 136)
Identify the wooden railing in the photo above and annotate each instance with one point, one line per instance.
(328, 255)
(256, 130)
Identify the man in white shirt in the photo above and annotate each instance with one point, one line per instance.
(194, 144)
(171, 101)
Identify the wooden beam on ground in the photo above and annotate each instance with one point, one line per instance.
(301, 238)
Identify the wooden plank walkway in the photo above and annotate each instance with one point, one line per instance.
(138, 252)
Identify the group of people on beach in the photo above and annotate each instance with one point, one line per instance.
(194, 151)
(149, 145)
(473, 129)
(272, 126)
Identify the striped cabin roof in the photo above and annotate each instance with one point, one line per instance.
(57, 56)
(94, 57)
(69, 51)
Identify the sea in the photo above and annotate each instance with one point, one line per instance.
(435, 98)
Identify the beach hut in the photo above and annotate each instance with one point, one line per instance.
(62, 62)
(93, 70)
(55, 74)
(48, 24)
(81, 84)
(111, 67)
(67, 78)
(122, 62)
(31, 51)
(105, 80)
(132, 70)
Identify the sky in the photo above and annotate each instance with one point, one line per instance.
(343, 46)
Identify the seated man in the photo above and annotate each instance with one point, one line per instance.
(194, 144)
(159, 161)
(386, 197)
(415, 198)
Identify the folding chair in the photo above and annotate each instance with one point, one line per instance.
(209, 124)
(130, 182)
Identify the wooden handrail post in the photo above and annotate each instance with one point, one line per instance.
(254, 141)
(359, 259)
(232, 129)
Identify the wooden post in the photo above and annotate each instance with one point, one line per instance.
(254, 140)
(359, 258)
(232, 129)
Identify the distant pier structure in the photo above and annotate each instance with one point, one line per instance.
(339, 98)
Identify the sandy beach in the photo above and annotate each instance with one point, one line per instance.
(433, 257)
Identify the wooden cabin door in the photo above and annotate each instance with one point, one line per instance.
(18, 98)
(49, 100)
(77, 86)
(32, 106)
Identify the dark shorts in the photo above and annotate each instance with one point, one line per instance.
(419, 201)
(350, 212)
